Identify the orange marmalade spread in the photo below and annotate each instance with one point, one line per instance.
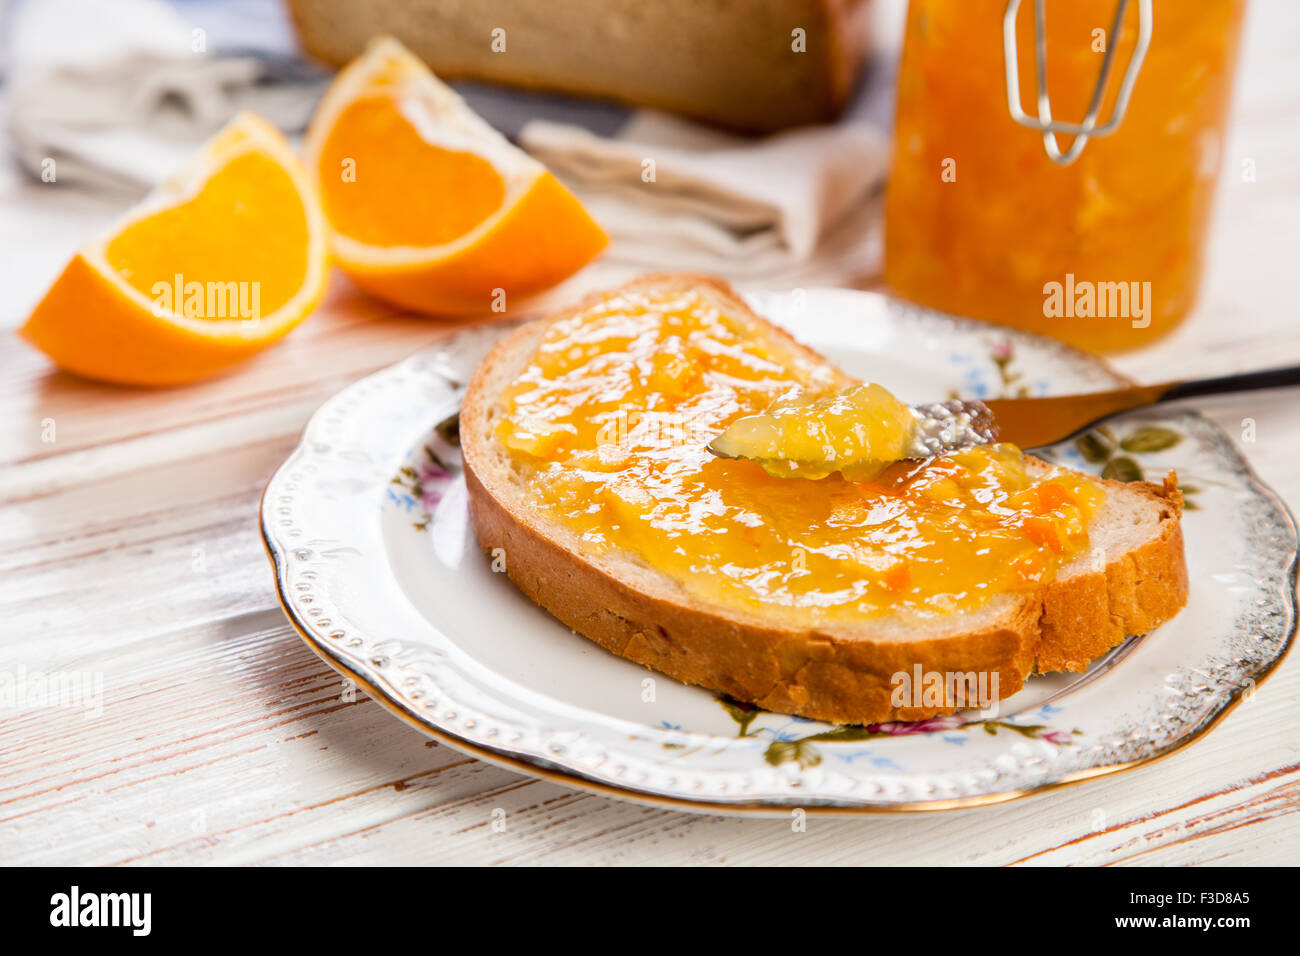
(858, 432)
(610, 423)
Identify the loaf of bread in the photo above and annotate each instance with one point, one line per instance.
(750, 65)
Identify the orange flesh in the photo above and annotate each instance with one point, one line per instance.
(245, 226)
(611, 418)
(406, 191)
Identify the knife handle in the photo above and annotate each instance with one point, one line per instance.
(1241, 382)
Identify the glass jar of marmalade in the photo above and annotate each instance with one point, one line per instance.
(1098, 241)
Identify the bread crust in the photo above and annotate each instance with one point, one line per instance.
(810, 88)
(828, 674)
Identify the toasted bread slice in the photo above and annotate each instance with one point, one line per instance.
(1132, 578)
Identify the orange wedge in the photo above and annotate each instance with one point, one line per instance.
(217, 263)
(430, 208)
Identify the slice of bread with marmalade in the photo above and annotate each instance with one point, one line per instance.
(585, 440)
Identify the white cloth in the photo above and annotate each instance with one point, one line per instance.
(116, 93)
(674, 194)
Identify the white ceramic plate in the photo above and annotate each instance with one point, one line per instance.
(367, 527)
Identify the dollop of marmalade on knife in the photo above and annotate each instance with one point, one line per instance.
(611, 418)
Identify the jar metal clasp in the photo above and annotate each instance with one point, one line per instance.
(1089, 127)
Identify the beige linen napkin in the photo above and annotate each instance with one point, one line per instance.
(677, 195)
(119, 93)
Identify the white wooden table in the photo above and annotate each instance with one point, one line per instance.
(129, 554)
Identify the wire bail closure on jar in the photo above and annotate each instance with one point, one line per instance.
(1089, 127)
